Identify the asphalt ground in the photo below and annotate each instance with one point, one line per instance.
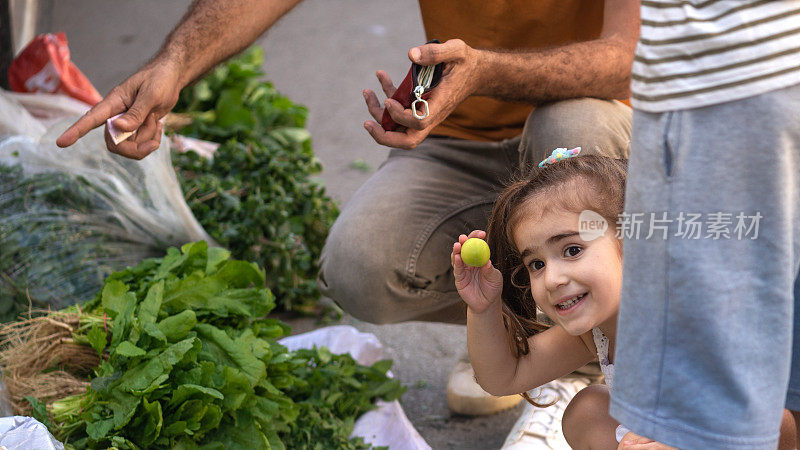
(322, 54)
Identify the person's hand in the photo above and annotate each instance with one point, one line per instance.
(145, 97)
(458, 83)
(632, 441)
(479, 287)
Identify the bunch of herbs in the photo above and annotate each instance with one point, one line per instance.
(258, 196)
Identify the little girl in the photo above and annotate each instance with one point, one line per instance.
(546, 260)
(553, 254)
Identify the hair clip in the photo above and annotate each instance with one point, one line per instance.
(559, 154)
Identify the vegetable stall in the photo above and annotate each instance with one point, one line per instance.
(141, 327)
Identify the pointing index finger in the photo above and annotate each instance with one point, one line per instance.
(94, 118)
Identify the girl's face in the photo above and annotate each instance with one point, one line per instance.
(575, 282)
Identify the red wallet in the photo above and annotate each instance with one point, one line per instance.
(414, 91)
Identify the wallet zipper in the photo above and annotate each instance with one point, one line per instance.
(424, 80)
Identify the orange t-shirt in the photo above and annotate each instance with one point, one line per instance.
(509, 25)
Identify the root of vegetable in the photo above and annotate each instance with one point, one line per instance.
(39, 357)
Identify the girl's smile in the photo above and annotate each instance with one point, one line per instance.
(568, 305)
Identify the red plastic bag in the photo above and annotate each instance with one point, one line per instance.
(44, 66)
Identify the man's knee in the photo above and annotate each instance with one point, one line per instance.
(367, 277)
(597, 126)
(357, 275)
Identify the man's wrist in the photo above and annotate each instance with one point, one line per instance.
(173, 63)
(485, 62)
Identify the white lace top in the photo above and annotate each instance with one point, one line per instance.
(601, 342)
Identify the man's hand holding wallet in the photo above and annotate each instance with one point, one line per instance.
(440, 78)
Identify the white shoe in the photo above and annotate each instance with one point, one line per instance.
(540, 428)
(465, 395)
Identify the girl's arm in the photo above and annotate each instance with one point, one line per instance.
(553, 352)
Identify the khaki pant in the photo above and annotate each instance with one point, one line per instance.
(387, 258)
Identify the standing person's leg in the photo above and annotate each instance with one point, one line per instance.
(793, 393)
(705, 324)
(387, 256)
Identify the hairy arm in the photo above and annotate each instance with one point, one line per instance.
(209, 32)
(599, 68)
(212, 31)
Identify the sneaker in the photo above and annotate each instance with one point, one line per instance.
(465, 395)
(540, 428)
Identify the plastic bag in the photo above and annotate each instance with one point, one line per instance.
(385, 426)
(69, 217)
(44, 66)
(45, 109)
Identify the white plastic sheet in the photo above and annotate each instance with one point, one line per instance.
(26, 433)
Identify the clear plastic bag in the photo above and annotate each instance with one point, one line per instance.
(69, 217)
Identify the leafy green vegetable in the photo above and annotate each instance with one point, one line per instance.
(360, 164)
(97, 338)
(257, 197)
(335, 390)
(192, 363)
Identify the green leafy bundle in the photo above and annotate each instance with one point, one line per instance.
(331, 397)
(189, 361)
(257, 197)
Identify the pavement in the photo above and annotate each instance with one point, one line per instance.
(322, 54)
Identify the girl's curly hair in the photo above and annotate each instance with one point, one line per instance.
(589, 182)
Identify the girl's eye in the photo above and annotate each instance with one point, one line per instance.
(536, 265)
(572, 250)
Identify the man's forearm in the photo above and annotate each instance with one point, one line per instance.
(599, 68)
(212, 31)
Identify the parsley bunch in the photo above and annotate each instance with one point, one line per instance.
(257, 197)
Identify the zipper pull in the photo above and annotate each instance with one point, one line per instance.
(418, 91)
(424, 79)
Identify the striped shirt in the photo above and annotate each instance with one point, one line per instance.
(694, 53)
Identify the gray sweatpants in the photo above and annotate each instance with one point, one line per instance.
(704, 340)
(387, 258)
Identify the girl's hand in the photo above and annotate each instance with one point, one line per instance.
(479, 287)
(632, 441)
